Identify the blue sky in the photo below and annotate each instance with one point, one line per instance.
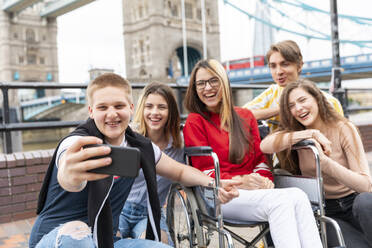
(92, 36)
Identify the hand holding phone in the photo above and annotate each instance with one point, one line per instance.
(125, 161)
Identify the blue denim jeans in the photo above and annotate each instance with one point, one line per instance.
(133, 221)
(84, 239)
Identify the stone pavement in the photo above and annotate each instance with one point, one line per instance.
(15, 234)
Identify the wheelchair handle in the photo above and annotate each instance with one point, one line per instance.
(198, 151)
(308, 144)
(303, 144)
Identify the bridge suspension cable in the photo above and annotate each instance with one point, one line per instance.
(304, 6)
(317, 34)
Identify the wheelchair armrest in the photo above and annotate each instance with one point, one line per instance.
(307, 184)
(281, 172)
(198, 151)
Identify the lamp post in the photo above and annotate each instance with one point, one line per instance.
(336, 87)
(204, 35)
(185, 61)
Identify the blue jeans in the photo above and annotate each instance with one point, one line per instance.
(133, 221)
(83, 239)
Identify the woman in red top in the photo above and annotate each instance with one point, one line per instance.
(232, 133)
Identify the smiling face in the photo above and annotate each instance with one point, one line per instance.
(283, 71)
(111, 111)
(155, 113)
(210, 96)
(304, 108)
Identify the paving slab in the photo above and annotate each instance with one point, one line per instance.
(15, 234)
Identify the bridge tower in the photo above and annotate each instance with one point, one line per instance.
(28, 53)
(153, 36)
(28, 47)
(263, 34)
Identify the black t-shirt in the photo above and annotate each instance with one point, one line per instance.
(62, 206)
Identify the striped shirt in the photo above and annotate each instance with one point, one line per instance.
(138, 193)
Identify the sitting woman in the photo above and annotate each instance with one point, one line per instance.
(232, 133)
(157, 118)
(305, 113)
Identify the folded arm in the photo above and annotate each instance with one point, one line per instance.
(266, 113)
(279, 141)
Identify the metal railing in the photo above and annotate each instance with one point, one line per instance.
(6, 127)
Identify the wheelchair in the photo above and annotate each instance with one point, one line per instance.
(313, 187)
(194, 213)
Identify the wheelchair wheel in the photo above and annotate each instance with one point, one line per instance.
(179, 219)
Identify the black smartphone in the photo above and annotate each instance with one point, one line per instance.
(125, 161)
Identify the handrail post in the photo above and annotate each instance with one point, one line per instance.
(346, 114)
(179, 100)
(7, 138)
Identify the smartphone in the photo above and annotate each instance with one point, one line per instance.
(125, 161)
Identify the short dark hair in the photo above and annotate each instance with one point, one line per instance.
(289, 50)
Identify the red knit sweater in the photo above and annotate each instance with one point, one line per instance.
(200, 132)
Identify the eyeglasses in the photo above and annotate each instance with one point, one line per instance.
(214, 82)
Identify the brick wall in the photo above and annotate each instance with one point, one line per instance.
(21, 176)
(366, 134)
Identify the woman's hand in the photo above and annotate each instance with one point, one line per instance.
(322, 155)
(322, 141)
(254, 181)
(228, 190)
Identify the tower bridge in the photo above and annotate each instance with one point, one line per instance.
(28, 40)
(50, 9)
(354, 67)
(153, 46)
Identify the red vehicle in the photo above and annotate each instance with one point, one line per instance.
(244, 63)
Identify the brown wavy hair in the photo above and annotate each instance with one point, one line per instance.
(288, 159)
(240, 139)
(172, 126)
